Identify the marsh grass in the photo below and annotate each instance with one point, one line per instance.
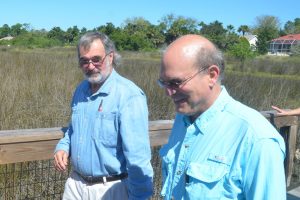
(37, 86)
(262, 91)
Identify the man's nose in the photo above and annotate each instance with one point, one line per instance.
(91, 65)
(170, 91)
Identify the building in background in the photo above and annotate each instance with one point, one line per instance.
(252, 39)
(282, 46)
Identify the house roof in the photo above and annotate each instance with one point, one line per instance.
(249, 37)
(289, 37)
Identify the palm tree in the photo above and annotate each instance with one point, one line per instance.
(244, 29)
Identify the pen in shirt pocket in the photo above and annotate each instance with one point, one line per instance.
(100, 106)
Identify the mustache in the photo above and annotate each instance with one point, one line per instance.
(92, 73)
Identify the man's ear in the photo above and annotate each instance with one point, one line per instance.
(111, 57)
(214, 73)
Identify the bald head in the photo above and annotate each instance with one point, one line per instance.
(189, 45)
(190, 73)
(194, 50)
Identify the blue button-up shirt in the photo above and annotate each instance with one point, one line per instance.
(229, 152)
(108, 133)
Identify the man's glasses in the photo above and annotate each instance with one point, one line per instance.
(176, 84)
(95, 60)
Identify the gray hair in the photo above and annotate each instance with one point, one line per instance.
(88, 38)
(207, 57)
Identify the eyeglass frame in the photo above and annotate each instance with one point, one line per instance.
(173, 84)
(90, 60)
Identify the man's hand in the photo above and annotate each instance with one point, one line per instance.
(280, 111)
(61, 160)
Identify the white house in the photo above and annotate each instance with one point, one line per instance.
(252, 39)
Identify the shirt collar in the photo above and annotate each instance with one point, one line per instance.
(205, 118)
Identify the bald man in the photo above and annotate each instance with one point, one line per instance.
(218, 147)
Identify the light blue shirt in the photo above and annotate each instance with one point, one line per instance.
(230, 152)
(108, 134)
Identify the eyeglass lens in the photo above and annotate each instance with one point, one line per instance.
(96, 60)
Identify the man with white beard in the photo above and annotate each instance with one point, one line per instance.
(107, 139)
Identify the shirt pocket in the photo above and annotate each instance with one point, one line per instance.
(205, 180)
(106, 128)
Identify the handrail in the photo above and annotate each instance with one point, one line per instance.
(38, 144)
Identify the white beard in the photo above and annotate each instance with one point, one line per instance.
(99, 77)
(94, 78)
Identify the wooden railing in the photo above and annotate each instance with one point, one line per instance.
(38, 144)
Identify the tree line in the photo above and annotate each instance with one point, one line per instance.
(138, 34)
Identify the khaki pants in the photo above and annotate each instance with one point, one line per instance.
(78, 189)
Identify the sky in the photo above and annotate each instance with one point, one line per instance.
(46, 14)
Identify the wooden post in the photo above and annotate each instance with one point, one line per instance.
(291, 148)
(290, 124)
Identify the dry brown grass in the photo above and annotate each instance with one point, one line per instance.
(36, 88)
(37, 85)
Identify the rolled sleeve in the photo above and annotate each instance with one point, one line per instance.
(64, 143)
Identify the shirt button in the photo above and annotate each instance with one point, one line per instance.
(186, 146)
(178, 172)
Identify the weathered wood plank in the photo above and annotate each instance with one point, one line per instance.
(280, 121)
(159, 137)
(42, 134)
(30, 135)
(26, 151)
(38, 144)
(160, 125)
